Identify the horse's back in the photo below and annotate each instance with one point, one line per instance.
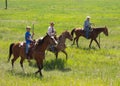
(18, 48)
(79, 31)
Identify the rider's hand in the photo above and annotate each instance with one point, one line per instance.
(33, 33)
(93, 24)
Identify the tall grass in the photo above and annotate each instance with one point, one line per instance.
(84, 67)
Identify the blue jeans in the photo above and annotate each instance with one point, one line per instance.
(52, 47)
(87, 30)
(87, 34)
(27, 48)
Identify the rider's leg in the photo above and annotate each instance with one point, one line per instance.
(52, 48)
(27, 51)
(87, 34)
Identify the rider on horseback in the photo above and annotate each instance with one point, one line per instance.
(51, 32)
(28, 39)
(51, 29)
(87, 26)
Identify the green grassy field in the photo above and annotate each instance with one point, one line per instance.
(84, 67)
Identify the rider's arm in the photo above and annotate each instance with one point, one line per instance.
(86, 24)
(49, 31)
(32, 35)
(92, 24)
(29, 37)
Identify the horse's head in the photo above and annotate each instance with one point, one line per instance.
(68, 35)
(105, 31)
(52, 40)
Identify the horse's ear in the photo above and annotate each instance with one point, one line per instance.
(66, 30)
(46, 33)
(105, 26)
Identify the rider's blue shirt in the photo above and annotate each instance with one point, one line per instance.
(27, 37)
(86, 24)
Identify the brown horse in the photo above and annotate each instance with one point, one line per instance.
(93, 34)
(37, 52)
(61, 44)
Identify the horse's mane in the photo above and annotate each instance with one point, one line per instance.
(41, 40)
(64, 32)
(98, 28)
(61, 35)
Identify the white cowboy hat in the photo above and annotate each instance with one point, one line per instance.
(88, 17)
(28, 27)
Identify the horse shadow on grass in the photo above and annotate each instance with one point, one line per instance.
(56, 64)
(87, 48)
(21, 74)
(49, 65)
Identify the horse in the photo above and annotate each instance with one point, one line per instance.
(61, 44)
(93, 34)
(37, 52)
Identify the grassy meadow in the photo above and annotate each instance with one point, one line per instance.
(84, 67)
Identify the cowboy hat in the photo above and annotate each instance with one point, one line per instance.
(88, 17)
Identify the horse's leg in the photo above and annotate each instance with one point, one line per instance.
(77, 41)
(37, 72)
(39, 68)
(21, 63)
(13, 60)
(56, 54)
(74, 40)
(90, 43)
(65, 53)
(97, 43)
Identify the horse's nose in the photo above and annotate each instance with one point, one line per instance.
(106, 34)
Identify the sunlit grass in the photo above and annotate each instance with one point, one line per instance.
(85, 66)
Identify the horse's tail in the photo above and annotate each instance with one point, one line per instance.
(72, 32)
(10, 51)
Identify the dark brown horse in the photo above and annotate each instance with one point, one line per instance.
(61, 44)
(37, 52)
(93, 34)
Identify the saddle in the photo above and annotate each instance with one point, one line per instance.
(23, 45)
(89, 32)
(91, 29)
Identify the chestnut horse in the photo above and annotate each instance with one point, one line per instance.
(93, 34)
(61, 44)
(37, 52)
